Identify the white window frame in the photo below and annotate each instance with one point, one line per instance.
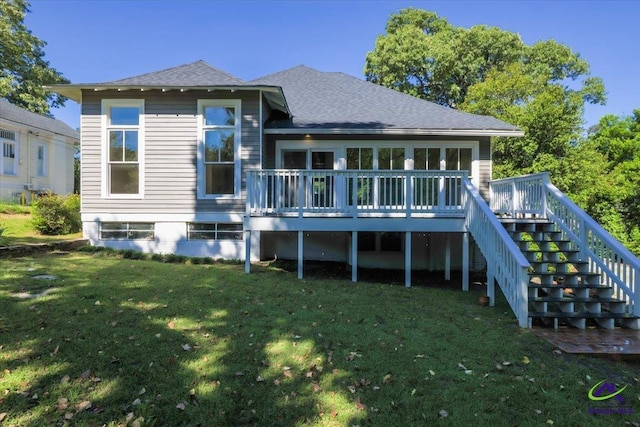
(474, 173)
(237, 144)
(9, 142)
(41, 164)
(106, 178)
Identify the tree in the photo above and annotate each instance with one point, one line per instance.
(542, 88)
(23, 69)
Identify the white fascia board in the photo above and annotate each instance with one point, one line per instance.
(436, 132)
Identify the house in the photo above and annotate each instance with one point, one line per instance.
(37, 154)
(304, 164)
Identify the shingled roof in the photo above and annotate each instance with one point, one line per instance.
(330, 100)
(316, 101)
(197, 73)
(19, 116)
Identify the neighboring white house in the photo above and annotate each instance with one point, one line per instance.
(37, 153)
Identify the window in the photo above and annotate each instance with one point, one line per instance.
(127, 231)
(123, 131)
(220, 136)
(9, 165)
(41, 163)
(213, 231)
(459, 159)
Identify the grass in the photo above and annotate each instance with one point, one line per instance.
(18, 228)
(117, 341)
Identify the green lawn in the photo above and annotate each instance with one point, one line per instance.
(16, 220)
(129, 342)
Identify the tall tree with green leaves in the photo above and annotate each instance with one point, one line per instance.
(542, 88)
(23, 69)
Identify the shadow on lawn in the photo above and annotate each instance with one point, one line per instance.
(172, 352)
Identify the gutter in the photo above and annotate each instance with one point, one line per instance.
(365, 131)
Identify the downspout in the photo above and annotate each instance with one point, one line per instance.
(29, 179)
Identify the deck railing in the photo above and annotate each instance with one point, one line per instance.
(354, 192)
(534, 194)
(505, 263)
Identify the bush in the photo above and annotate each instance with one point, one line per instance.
(55, 215)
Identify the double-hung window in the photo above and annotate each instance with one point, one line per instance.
(219, 167)
(9, 165)
(41, 160)
(123, 128)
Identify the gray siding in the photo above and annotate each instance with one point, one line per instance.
(170, 152)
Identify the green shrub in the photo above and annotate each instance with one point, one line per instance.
(55, 215)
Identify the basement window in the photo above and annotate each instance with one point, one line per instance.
(127, 231)
(214, 231)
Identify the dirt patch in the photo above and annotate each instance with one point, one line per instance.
(33, 248)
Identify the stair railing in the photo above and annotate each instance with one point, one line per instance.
(533, 195)
(618, 267)
(505, 262)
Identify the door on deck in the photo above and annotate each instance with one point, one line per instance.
(318, 188)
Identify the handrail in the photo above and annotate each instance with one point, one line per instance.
(353, 192)
(505, 262)
(607, 256)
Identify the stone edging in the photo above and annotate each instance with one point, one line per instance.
(31, 248)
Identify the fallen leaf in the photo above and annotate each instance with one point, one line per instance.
(136, 402)
(55, 351)
(4, 415)
(65, 379)
(351, 388)
(239, 373)
(86, 374)
(468, 371)
(259, 379)
(550, 421)
(316, 387)
(538, 411)
(525, 360)
(443, 413)
(431, 372)
(386, 379)
(186, 347)
(333, 413)
(180, 406)
(276, 382)
(461, 366)
(171, 325)
(142, 391)
(129, 417)
(85, 404)
(359, 405)
(63, 403)
(68, 415)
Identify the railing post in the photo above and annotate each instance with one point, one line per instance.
(545, 182)
(408, 198)
(514, 202)
(301, 188)
(354, 193)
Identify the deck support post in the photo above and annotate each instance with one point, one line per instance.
(465, 261)
(300, 253)
(407, 259)
(354, 256)
(491, 285)
(247, 251)
(447, 257)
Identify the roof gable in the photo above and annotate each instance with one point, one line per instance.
(19, 116)
(197, 73)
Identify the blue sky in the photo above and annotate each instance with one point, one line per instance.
(103, 40)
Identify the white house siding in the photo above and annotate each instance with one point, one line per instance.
(59, 164)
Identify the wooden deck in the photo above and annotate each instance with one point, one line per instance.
(623, 343)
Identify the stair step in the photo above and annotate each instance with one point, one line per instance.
(578, 300)
(579, 315)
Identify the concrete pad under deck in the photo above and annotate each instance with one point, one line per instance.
(593, 341)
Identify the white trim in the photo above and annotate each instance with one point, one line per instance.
(237, 149)
(154, 217)
(396, 132)
(104, 125)
(260, 127)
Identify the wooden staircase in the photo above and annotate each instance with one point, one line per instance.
(562, 289)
